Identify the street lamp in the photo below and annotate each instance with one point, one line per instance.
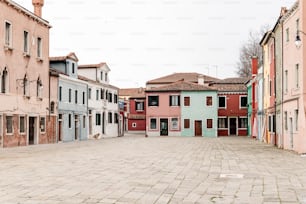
(298, 41)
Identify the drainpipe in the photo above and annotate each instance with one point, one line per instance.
(275, 112)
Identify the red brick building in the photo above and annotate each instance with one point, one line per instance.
(134, 109)
(232, 110)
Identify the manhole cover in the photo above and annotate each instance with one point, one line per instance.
(234, 176)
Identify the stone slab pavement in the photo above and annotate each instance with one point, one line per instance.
(136, 169)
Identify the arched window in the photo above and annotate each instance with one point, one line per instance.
(4, 82)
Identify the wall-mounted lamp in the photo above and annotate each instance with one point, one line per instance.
(298, 41)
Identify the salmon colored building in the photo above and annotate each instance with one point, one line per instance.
(25, 116)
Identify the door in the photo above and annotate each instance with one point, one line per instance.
(103, 123)
(76, 127)
(31, 131)
(90, 124)
(164, 127)
(291, 132)
(198, 128)
(233, 126)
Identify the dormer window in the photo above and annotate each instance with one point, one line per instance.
(101, 76)
(106, 77)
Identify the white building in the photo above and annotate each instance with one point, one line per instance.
(103, 108)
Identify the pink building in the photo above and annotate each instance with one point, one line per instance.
(25, 116)
(294, 87)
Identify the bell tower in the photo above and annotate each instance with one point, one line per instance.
(38, 4)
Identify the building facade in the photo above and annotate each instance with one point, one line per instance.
(24, 71)
(72, 99)
(103, 106)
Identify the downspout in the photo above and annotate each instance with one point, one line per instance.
(282, 95)
(275, 112)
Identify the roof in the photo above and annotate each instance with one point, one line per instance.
(90, 66)
(96, 82)
(133, 92)
(182, 86)
(71, 56)
(235, 84)
(188, 76)
(28, 13)
(55, 72)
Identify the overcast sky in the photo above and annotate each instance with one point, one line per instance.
(144, 39)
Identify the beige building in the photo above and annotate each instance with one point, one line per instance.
(25, 115)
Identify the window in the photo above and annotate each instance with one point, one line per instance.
(242, 122)
(272, 123)
(286, 81)
(60, 93)
(69, 95)
(84, 121)
(297, 75)
(222, 123)
(22, 124)
(101, 76)
(98, 119)
(270, 87)
(89, 93)
(134, 125)
(52, 107)
(83, 97)
(110, 97)
(106, 77)
(222, 101)
(110, 117)
(209, 123)
(297, 25)
(97, 94)
(39, 87)
(115, 98)
(116, 118)
(8, 34)
(106, 94)
(174, 100)
(76, 97)
(102, 93)
(25, 42)
(186, 123)
(296, 116)
(209, 101)
(152, 100)
(287, 35)
(42, 124)
(186, 101)
(243, 101)
(9, 124)
(174, 124)
(39, 47)
(69, 120)
(153, 124)
(25, 86)
(73, 67)
(139, 105)
(286, 120)
(4, 81)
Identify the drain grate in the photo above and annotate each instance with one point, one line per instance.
(233, 176)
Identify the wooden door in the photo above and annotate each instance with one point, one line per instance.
(198, 127)
(233, 126)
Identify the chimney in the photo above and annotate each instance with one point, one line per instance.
(38, 4)
(254, 66)
(200, 79)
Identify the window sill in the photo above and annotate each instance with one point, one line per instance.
(39, 59)
(26, 97)
(8, 48)
(26, 55)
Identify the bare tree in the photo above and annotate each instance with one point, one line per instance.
(248, 50)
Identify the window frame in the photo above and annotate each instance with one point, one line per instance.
(240, 101)
(8, 35)
(186, 101)
(172, 127)
(209, 101)
(174, 100)
(98, 119)
(6, 127)
(39, 47)
(42, 130)
(225, 123)
(225, 104)
(137, 102)
(150, 125)
(26, 42)
(150, 101)
(186, 123)
(24, 124)
(240, 126)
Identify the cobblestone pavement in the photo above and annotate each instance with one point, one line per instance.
(135, 169)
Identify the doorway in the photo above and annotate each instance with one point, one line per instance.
(164, 127)
(60, 124)
(233, 126)
(198, 128)
(32, 131)
(76, 127)
(291, 132)
(103, 123)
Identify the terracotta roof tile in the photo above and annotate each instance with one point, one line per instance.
(71, 55)
(188, 76)
(133, 92)
(89, 66)
(182, 86)
(235, 84)
(96, 82)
